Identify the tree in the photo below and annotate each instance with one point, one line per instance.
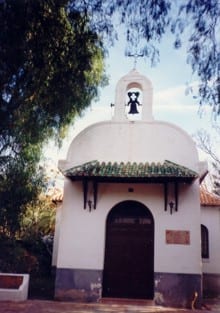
(208, 144)
(20, 183)
(51, 65)
(195, 22)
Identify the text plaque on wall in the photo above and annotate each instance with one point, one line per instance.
(179, 237)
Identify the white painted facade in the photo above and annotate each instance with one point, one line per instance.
(82, 233)
(89, 228)
(210, 217)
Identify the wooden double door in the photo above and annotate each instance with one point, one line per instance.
(129, 252)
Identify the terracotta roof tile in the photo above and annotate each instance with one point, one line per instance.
(208, 199)
(130, 170)
(57, 195)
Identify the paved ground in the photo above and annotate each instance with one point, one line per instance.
(39, 306)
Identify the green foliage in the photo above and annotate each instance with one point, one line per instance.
(16, 258)
(30, 251)
(51, 65)
(29, 256)
(216, 178)
(20, 184)
(51, 68)
(196, 23)
(209, 143)
(46, 59)
(38, 219)
(200, 20)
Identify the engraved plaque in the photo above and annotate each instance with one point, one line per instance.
(179, 237)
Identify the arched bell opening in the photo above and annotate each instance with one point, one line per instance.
(131, 83)
(134, 102)
(129, 252)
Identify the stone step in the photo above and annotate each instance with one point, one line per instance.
(125, 301)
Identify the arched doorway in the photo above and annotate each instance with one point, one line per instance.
(129, 252)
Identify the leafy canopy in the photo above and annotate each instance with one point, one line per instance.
(146, 22)
(51, 65)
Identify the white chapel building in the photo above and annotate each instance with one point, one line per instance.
(130, 224)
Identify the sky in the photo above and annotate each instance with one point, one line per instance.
(169, 79)
(170, 102)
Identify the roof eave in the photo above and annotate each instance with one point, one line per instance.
(151, 179)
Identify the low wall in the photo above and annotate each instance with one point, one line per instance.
(170, 289)
(178, 290)
(211, 285)
(14, 287)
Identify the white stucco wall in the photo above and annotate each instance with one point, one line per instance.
(82, 233)
(132, 141)
(56, 235)
(82, 237)
(210, 217)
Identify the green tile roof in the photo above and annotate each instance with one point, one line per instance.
(130, 170)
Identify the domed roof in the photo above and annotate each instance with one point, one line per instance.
(136, 141)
